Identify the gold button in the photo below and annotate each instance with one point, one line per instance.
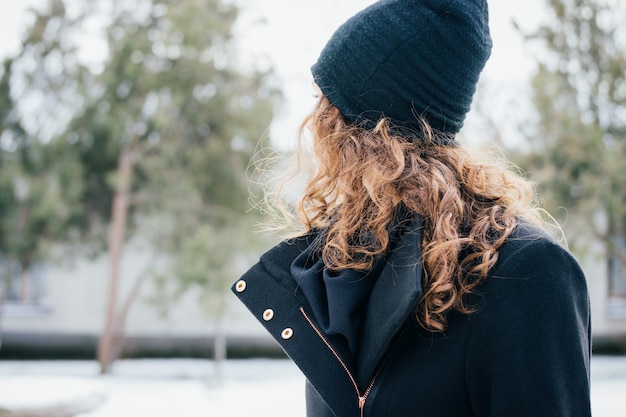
(240, 286)
(268, 314)
(287, 333)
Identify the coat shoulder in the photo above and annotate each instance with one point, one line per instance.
(530, 252)
(530, 334)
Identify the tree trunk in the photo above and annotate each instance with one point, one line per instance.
(219, 344)
(119, 323)
(116, 245)
(25, 286)
(219, 348)
(5, 278)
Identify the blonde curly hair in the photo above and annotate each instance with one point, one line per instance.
(469, 207)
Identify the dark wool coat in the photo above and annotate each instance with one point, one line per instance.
(524, 352)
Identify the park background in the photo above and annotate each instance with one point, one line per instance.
(127, 131)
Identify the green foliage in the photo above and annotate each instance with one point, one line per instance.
(41, 197)
(171, 94)
(578, 146)
(40, 185)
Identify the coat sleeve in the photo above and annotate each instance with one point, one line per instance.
(529, 342)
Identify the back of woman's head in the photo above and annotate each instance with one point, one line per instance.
(397, 81)
(469, 205)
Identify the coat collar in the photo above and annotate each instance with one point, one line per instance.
(269, 285)
(393, 299)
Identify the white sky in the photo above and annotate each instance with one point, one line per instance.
(290, 34)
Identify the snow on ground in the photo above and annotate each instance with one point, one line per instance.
(158, 388)
(190, 388)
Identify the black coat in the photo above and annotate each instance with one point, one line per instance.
(524, 352)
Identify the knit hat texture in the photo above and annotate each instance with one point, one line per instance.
(402, 59)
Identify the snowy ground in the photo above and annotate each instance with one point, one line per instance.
(190, 388)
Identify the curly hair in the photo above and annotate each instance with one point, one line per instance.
(469, 207)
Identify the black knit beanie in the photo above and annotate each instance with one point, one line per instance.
(402, 59)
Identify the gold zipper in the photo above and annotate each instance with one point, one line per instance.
(362, 398)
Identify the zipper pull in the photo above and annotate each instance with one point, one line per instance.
(362, 404)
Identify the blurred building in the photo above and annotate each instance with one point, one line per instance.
(58, 312)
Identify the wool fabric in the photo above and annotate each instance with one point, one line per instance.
(406, 59)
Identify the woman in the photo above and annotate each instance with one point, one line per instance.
(423, 283)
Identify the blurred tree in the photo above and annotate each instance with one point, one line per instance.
(167, 130)
(578, 144)
(40, 178)
(154, 143)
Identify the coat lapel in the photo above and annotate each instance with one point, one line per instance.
(393, 299)
(268, 286)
